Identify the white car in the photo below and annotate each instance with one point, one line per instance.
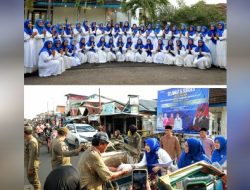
(80, 133)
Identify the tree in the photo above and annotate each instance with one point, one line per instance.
(148, 7)
(79, 6)
(166, 13)
(28, 7)
(197, 14)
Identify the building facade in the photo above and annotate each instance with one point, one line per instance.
(62, 11)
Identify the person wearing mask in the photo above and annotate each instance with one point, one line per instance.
(60, 154)
(93, 171)
(193, 152)
(31, 157)
(171, 144)
(207, 143)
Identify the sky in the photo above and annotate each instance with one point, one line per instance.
(191, 2)
(39, 99)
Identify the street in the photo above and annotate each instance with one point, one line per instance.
(45, 167)
(131, 73)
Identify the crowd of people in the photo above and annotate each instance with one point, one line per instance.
(91, 171)
(51, 49)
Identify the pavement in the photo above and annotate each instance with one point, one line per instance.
(131, 74)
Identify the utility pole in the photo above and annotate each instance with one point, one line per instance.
(49, 10)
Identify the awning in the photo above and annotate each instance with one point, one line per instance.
(121, 114)
(115, 6)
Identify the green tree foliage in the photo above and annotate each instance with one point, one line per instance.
(148, 7)
(78, 5)
(28, 7)
(197, 14)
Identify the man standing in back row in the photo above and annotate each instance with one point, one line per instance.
(31, 161)
(171, 144)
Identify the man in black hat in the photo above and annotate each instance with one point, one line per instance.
(93, 171)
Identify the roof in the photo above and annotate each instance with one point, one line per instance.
(122, 113)
(217, 96)
(148, 105)
(104, 97)
(75, 95)
(144, 106)
(72, 3)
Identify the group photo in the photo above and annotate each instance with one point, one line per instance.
(125, 137)
(125, 95)
(78, 45)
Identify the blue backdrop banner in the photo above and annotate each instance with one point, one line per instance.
(185, 109)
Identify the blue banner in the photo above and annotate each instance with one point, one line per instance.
(185, 109)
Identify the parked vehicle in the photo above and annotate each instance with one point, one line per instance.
(80, 133)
